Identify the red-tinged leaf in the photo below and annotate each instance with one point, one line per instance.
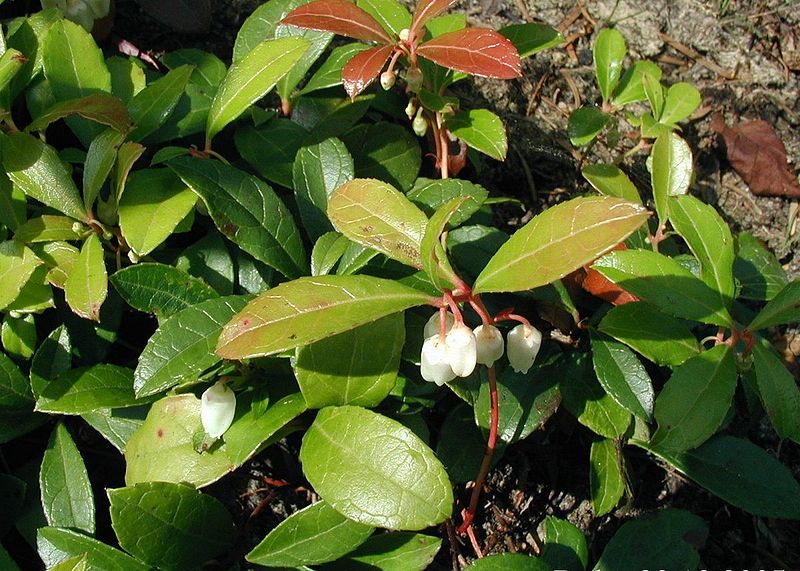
(478, 51)
(340, 17)
(363, 68)
(600, 286)
(758, 155)
(427, 9)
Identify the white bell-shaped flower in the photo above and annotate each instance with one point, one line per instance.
(490, 344)
(432, 326)
(217, 409)
(523, 345)
(462, 350)
(435, 367)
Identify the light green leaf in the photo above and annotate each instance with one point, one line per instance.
(605, 476)
(317, 40)
(622, 376)
(11, 63)
(327, 251)
(19, 335)
(13, 207)
(174, 516)
(778, 390)
(247, 211)
(482, 130)
(671, 171)
(128, 153)
(271, 148)
(87, 388)
(509, 562)
(374, 214)
(432, 252)
(56, 544)
(77, 563)
(537, 254)
(655, 94)
(565, 546)
(757, 269)
(630, 88)
(609, 51)
(261, 25)
(783, 308)
(151, 207)
(100, 158)
(313, 535)
(683, 99)
(532, 38)
(393, 551)
(695, 400)
(384, 151)
(67, 497)
(329, 73)
(87, 283)
(390, 14)
(375, 470)
(117, 425)
(585, 124)
(611, 181)
(17, 265)
(150, 107)
(250, 78)
(60, 257)
(127, 77)
(183, 347)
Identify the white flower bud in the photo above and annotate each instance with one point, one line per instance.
(217, 409)
(403, 35)
(435, 367)
(523, 345)
(411, 109)
(419, 125)
(462, 350)
(432, 326)
(490, 344)
(387, 80)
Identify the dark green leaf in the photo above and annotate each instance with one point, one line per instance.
(609, 51)
(85, 389)
(15, 393)
(13, 205)
(117, 425)
(386, 151)
(56, 544)
(783, 308)
(482, 130)
(208, 72)
(271, 148)
(757, 270)
(189, 116)
(509, 562)
(622, 376)
(532, 38)
(778, 390)
(210, 260)
(606, 481)
(53, 357)
(461, 444)
(12, 498)
(317, 40)
(585, 124)
(565, 546)
(436, 193)
(150, 107)
(393, 551)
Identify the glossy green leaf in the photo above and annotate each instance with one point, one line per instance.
(783, 308)
(565, 546)
(210, 260)
(394, 551)
(532, 38)
(15, 393)
(175, 516)
(17, 265)
(313, 535)
(757, 269)
(671, 172)
(509, 562)
(67, 497)
(317, 40)
(355, 258)
(655, 94)
(49, 228)
(329, 73)
(309, 309)
(585, 124)
(390, 14)
(13, 207)
(327, 251)
(189, 116)
(375, 470)
(386, 151)
(19, 335)
(208, 72)
(77, 563)
(87, 388)
(247, 211)
(128, 153)
(630, 88)
(357, 367)
(56, 544)
(251, 78)
(150, 107)
(434, 257)
(665, 539)
(261, 25)
(87, 283)
(606, 482)
(664, 283)
(101, 108)
(271, 148)
(725, 467)
(11, 63)
(36, 294)
(117, 425)
(60, 258)
(482, 130)
(318, 171)
(37, 170)
(183, 347)
(695, 400)
(432, 195)
(622, 376)
(151, 207)
(100, 158)
(611, 181)
(374, 214)
(778, 390)
(127, 77)
(657, 336)
(682, 100)
(163, 449)
(53, 357)
(609, 51)
(160, 289)
(535, 255)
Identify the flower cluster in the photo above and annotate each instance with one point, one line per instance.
(461, 349)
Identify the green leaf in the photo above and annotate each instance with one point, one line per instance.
(261, 25)
(127, 77)
(432, 195)
(327, 251)
(310, 309)
(7, 562)
(611, 181)
(318, 171)
(664, 283)
(151, 207)
(11, 63)
(87, 283)
(609, 51)
(160, 289)
(19, 335)
(151, 107)
(15, 393)
(250, 78)
(606, 481)
(709, 239)
(482, 130)
(317, 40)
(585, 124)
(724, 466)
(37, 170)
(67, 497)
(461, 444)
(630, 88)
(536, 254)
(385, 151)
(374, 214)
(375, 470)
(87, 388)
(783, 308)
(757, 269)
(53, 357)
(247, 211)
(100, 158)
(654, 92)
(666, 539)
(77, 563)
(56, 544)
(313, 535)
(432, 252)
(17, 265)
(128, 153)
(101, 108)
(208, 72)
(565, 546)
(695, 400)
(509, 562)
(329, 73)
(622, 376)
(683, 99)
(778, 390)
(210, 260)
(13, 207)
(393, 551)
(671, 172)
(175, 517)
(117, 425)
(530, 39)
(189, 116)
(271, 148)
(656, 335)
(390, 14)
(183, 347)
(163, 449)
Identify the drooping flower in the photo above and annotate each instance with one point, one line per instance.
(490, 344)
(435, 366)
(432, 325)
(217, 409)
(522, 346)
(462, 350)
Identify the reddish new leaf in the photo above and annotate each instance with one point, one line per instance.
(758, 155)
(600, 286)
(363, 68)
(340, 17)
(478, 51)
(427, 9)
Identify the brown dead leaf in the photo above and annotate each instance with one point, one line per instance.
(758, 155)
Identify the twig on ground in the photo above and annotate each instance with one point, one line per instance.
(701, 59)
